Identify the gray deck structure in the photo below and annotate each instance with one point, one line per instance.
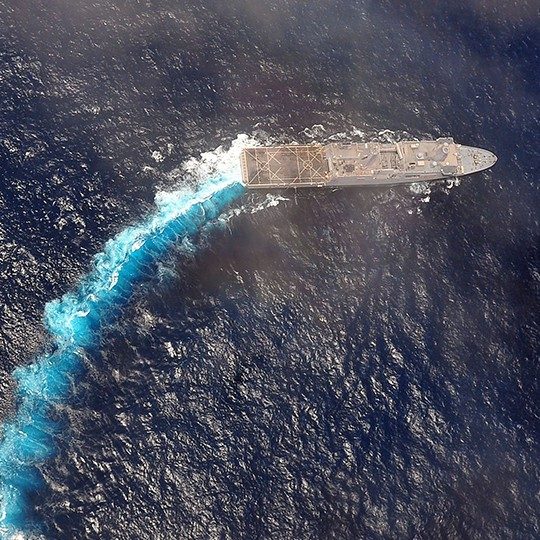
(360, 164)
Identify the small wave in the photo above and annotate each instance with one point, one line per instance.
(420, 188)
(252, 208)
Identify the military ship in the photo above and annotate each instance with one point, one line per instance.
(360, 164)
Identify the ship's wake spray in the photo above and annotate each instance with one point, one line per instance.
(76, 320)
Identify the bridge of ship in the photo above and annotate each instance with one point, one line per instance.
(315, 165)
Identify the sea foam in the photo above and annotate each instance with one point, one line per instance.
(75, 322)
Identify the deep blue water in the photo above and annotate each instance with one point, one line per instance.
(347, 364)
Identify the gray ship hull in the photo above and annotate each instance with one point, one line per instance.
(360, 164)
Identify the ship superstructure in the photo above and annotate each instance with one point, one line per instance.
(360, 164)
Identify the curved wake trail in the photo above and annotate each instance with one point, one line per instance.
(75, 322)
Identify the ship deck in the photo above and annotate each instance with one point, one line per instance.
(285, 166)
(349, 164)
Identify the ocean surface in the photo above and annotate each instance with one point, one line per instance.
(182, 359)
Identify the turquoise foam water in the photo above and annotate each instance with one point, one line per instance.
(75, 322)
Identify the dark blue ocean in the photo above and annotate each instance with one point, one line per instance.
(182, 359)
